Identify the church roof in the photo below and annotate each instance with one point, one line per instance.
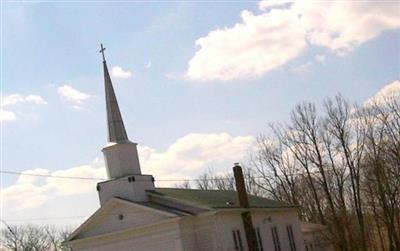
(216, 199)
(165, 208)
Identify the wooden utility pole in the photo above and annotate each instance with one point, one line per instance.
(244, 203)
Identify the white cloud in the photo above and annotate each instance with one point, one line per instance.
(63, 187)
(264, 42)
(118, 72)
(7, 115)
(343, 25)
(260, 43)
(264, 5)
(193, 153)
(388, 92)
(12, 100)
(26, 193)
(73, 96)
(185, 158)
(36, 99)
(386, 95)
(33, 191)
(302, 68)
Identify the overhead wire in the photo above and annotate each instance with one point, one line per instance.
(101, 179)
(44, 219)
(95, 179)
(49, 175)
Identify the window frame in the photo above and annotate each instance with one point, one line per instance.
(259, 239)
(237, 239)
(275, 238)
(292, 241)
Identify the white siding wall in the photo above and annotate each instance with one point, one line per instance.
(215, 232)
(205, 232)
(279, 219)
(227, 222)
(191, 233)
(188, 234)
(165, 238)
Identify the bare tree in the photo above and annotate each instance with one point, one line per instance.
(382, 168)
(342, 165)
(184, 184)
(33, 238)
(209, 180)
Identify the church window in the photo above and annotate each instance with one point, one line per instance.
(292, 242)
(237, 240)
(309, 247)
(275, 238)
(259, 240)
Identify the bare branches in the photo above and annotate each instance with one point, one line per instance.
(33, 238)
(342, 166)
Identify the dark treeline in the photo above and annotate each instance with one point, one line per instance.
(340, 164)
(33, 238)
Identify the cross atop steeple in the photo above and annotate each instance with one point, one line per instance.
(102, 52)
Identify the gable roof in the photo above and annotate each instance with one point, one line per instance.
(216, 198)
(163, 208)
(112, 202)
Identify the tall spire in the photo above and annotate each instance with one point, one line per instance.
(120, 155)
(116, 128)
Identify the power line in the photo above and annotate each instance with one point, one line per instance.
(77, 177)
(101, 179)
(44, 219)
(98, 179)
(49, 176)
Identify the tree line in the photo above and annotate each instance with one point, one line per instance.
(28, 237)
(341, 164)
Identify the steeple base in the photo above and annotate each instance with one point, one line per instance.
(131, 188)
(121, 159)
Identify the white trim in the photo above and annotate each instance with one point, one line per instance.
(106, 206)
(167, 221)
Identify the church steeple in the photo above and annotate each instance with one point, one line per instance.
(120, 154)
(115, 124)
(125, 179)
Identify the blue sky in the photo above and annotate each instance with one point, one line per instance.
(190, 105)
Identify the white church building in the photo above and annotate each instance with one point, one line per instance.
(136, 215)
